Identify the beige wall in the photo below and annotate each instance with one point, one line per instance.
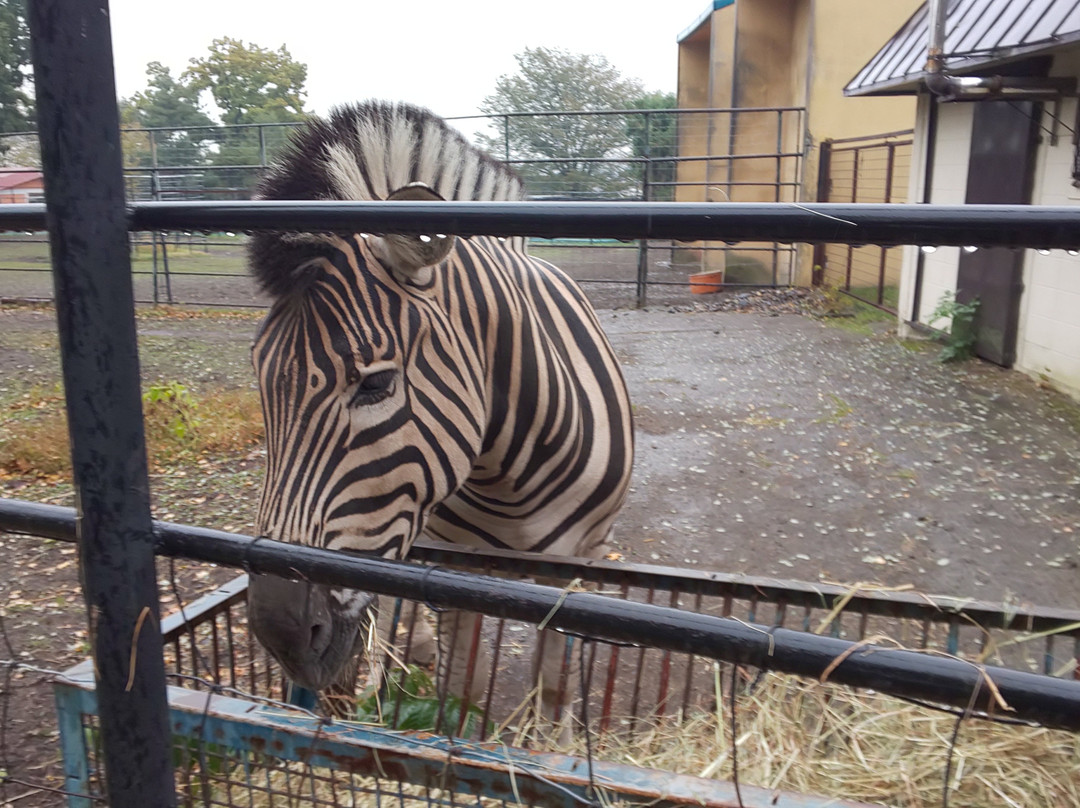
(770, 53)
(845, 35)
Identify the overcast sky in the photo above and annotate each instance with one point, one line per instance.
(442, 55)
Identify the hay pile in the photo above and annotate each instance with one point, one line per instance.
(795, 736)
(829, 740)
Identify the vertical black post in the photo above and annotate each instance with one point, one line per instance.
(262, 146)
(890, 167)
(155, 194)
(84, 191)
(824, 186)
(776, 190)
(643, 244)
(854, 198)
(165, 266)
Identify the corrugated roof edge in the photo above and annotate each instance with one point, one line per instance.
(910, 84)
(915, 30)
(716, 5)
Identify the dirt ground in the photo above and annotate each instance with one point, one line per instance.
(768, 443)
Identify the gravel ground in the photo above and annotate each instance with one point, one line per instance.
(784, 445)
(769, 442)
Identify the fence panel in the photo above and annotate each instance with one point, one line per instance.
(870, 169)
(639, 155)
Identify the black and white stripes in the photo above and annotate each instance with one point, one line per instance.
(477, 400)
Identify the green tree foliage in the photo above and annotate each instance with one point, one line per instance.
(167, 102)
(554, 79)
(250, 84)
(16, 99)
(654, 137)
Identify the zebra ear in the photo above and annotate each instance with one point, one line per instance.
(407, 255)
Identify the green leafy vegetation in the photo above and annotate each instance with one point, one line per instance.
(959, 342)
(411, 697)
(553, 79)
(16, 97)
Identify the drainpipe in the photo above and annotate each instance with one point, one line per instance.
(935, 50)
(939, 85)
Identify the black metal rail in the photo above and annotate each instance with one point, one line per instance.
(857, 224)
(944, 680)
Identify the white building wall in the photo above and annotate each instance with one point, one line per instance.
(1048, 341)
(1048, 336)
(951, 158)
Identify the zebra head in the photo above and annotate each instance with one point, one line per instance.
(373, 403)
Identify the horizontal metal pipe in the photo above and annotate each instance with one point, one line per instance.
(883, 224)
(1044, 700)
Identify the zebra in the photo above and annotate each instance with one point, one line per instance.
(457, 388)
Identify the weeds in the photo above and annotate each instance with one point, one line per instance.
(850, 313)
(180, 425)
(959, 342)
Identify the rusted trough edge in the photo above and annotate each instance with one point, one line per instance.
(432, 761)
(945, 680)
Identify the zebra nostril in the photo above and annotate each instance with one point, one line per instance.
(320, 637)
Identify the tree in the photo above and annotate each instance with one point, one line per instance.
(16, 99)
(167, 102)
(550, 79)
(654, 136)
(250, 84)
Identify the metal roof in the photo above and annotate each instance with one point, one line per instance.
(11, 177)
(978, 34)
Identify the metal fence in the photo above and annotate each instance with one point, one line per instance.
(89, 227)
(236, 740)
(873, 169)
(222, 732)
(646, 155)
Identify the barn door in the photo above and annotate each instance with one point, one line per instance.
(1000, 171)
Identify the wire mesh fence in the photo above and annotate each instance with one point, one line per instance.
(404, 741)
(654, 155)
(869, 169)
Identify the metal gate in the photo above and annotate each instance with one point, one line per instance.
(872, 168)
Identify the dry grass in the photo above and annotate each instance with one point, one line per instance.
(829, 740)
(795, 736)
(180, 426)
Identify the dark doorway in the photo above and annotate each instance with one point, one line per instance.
(1000, 172)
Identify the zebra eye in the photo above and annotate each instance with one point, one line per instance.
(373, 388)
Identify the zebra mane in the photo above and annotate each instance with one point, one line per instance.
(365, 152)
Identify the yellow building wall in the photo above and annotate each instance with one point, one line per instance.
(775, 53)
(845, 35)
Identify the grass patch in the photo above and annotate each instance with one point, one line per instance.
(890, 295)
(840, 410)
(915, 345)
(195, 258)
(846, 312)
(1064, 408)
(180, 427)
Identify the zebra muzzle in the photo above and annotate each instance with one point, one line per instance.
(313, 631)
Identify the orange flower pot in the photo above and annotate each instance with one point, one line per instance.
(705, 283)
